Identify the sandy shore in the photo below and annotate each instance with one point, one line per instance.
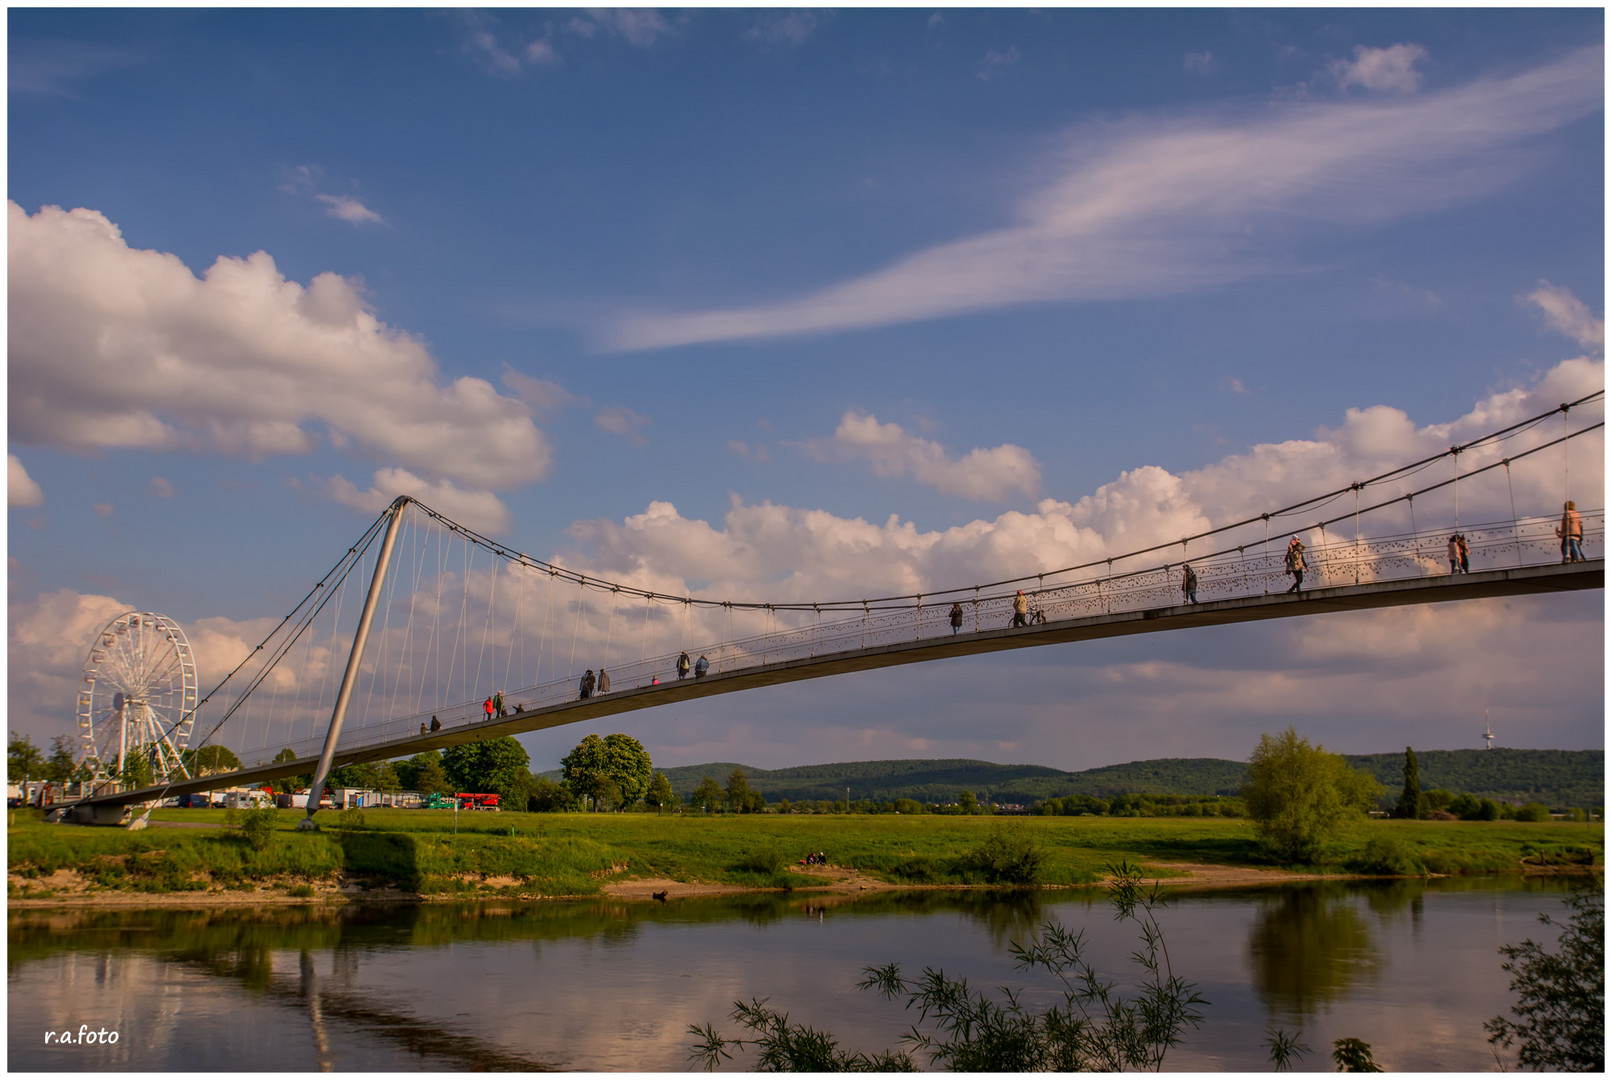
(69, 889)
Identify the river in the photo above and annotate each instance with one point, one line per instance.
(1411, 967)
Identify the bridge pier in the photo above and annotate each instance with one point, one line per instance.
(93, 814)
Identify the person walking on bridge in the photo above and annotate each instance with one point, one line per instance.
(586, 685)
(604, 681)
(487, 707)
(1189, 585)
(1021, 609)
(956, 617)
(1295, 564)
(682, 666)
(498, 702)
(701, 666)
(1572, 533)
(1453, 549)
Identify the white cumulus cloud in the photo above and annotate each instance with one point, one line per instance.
(20, 487)
(1567, 314)
(1393, 68)
(480, 510)
(891, 451)
(113, 346)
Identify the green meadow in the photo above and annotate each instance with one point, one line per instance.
(432, 854)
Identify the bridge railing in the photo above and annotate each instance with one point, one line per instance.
(1250, 570)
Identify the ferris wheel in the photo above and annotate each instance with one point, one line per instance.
(137, 700)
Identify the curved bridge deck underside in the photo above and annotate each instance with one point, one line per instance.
(1520, 581)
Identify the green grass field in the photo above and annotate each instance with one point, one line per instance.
(574, 854)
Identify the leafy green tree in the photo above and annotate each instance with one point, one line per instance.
(708, 796)
(1561, 996)
(62, 765)
(24, 762)
(386, 778)
(210, 759)
(290, 783)
(619, 758)
(967, 804)
(1301, 797)
(660, 794)
(491, 766)
(738, 792)
(547, 797)
(365, 774)
(1410, 799)
(1533, 811)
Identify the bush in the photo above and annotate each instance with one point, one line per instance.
(1389, 855)
(350, 818)
(1561, 996)
(763, 860)
(257, 826)
(1009, 856)
(1533, 812)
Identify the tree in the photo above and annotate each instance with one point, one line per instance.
(24, 762)
(619, 758)
(660, 794)
(62, 765)
(1301, 797)
(547, 797)
(708, 796)
(290, 783)
(1561, 996)
(1410, 800)
(207, 760)
(490, 765)
(738, 792)
(967, 804)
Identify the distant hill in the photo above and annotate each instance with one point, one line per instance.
(1558, 778)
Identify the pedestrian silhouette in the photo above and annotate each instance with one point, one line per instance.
(1295, 564)
(1571, 531)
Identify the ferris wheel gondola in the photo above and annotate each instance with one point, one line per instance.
(137, 701)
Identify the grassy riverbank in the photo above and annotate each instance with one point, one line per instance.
(428, 853)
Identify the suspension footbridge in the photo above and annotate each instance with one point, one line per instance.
(449, 614)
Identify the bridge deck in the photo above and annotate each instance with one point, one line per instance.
(1520, 581)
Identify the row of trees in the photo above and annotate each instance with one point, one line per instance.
(1441, 805)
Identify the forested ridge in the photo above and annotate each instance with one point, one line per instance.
(1558, 778)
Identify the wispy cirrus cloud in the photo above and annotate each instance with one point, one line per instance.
(892, 451)
(1164, 205)
(306, 180)
(348, 209)
(57, 68)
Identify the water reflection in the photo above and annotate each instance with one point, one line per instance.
(1309, 947)
(612, 985)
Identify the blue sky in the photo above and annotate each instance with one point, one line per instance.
(866, 296)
